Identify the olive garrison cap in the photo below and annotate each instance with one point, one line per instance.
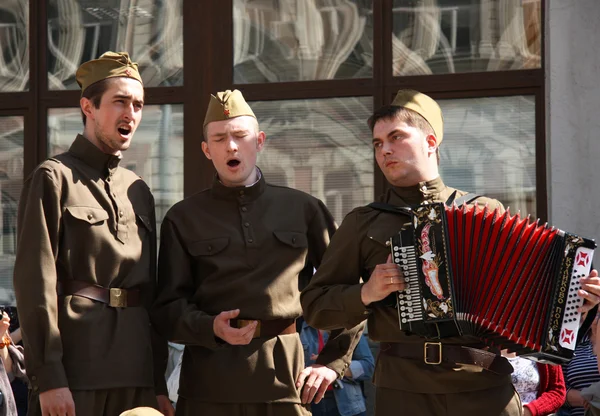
(109, 65)
(425, 106)
(141, 411)
(225, 105)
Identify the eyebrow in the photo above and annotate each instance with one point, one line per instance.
(127, 97)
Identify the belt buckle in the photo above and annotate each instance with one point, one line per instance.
(118, 298)
(439, 346)
(244, 322)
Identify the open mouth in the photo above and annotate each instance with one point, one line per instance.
(233, 163)
(124, 130)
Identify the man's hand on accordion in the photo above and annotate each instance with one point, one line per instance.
(590, 291)
(385, 279)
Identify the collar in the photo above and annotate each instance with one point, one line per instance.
(416, 194)
(85, 150)
(243, 193)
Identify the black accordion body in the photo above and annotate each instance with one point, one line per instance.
(508, 281)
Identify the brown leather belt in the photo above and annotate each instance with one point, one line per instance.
(114, 297)
(435, 353)
(267, 329)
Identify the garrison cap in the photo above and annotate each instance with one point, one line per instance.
(109, 65)
(425, 106)
(225, 105)
(141, 411)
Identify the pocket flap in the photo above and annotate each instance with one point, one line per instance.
(208, 247)
(145, 220)
(380, 234)
(90, 215)
(292, 238)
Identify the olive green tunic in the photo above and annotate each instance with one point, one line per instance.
(242, 248)
(332, 299)
(83, 217)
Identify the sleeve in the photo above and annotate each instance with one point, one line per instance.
(549, 400)
(337, 352)
(363, 363)
(38, 225)
(332, 298)
(174, 314)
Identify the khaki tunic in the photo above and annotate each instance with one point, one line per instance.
(242, 248)
(332, 299)
(83, 217)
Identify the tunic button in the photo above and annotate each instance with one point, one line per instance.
(293, 239)
(35, 388)
(244, 209)
(246, 224)
(90, 216)
(120, 213)
(33, 378)
(209, 248)
(108, 179)
(242, 193)
(250, 240)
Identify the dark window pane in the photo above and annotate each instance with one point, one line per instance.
(14, 45)
(448, 36)
(302, 40)
(151, 31)
(322, 147)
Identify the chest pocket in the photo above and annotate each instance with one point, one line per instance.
(91, 215)
(208, 247)
(292, 238)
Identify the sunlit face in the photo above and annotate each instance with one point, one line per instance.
(404, 153)
(233, 146)
(111, 126)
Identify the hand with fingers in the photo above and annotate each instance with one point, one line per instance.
(229, 334)
(385, 279)
(590, 291)
(315, 379)
(57, 402)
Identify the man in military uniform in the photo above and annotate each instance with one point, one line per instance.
(85, 272)
(229, 273)
(468, 380)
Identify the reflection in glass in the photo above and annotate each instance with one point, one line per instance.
(489, 149)
(301, 40)
(155, 154)
(448, 36)
(11, 182)
(14, 46)
(322, 147)
(151, 31)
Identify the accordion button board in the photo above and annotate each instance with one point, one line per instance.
(508, 280)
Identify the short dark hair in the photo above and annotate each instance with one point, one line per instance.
(94, 93)
(406, 115)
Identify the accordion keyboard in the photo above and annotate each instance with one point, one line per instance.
(403, 255)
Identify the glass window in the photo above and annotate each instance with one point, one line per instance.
(14, 45)
(448, 36)
(302, 40)
(11, 182)
(151, 31)
(322, 147)
(489, 149)
(156, 152)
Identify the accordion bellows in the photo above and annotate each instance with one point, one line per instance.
(507, 280)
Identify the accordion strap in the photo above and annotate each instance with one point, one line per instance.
(382, 206)
(465, 199)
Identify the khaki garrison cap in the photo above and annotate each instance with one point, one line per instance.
(141, 411)
(225, 105)
(425, 106)
(109, 65)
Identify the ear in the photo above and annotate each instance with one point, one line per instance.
(87, 107)
(260, 140)
(432, 144)
(206, 150)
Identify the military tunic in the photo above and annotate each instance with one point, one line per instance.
(242, 248)
(333, 300)
(83, 217)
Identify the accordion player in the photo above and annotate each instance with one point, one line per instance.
(507, 280)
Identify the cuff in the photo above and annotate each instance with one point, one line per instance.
(203, 326)
(47, 377)
(357, 369)
(353, 305)
(339, 366)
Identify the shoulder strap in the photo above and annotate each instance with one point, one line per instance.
(382, 206)
(465, 199)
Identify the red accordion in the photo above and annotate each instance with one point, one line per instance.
(504, 279)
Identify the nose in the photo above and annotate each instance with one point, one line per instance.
(386, 148)
(128, 112)
(232, 145)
